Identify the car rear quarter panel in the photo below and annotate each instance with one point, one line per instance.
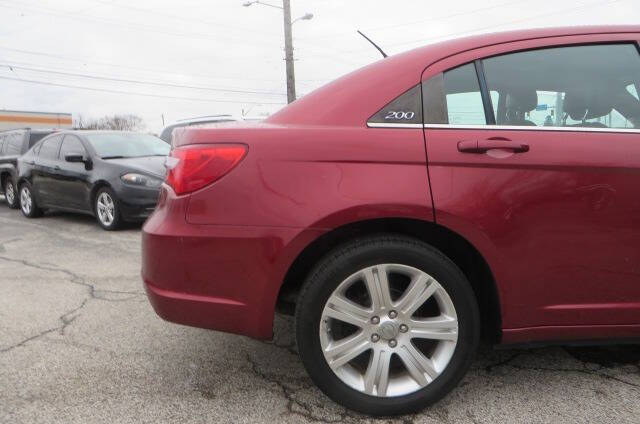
(317, 178)
(239, 236)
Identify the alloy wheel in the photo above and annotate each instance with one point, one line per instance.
(106, 208)
(10, 193)
(26, 201)
(388, 330)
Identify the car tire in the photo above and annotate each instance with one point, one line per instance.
(11, 193)
(368, 262)
(107, 209)
(28, 203)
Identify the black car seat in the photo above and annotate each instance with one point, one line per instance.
(518, 104)
(580, 107)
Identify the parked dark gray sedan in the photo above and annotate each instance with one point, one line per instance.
(114, 176)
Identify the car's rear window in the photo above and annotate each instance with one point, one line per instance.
(35, 137)
(13, 144)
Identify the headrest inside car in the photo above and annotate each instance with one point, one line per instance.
(522, 100)
(582, 106)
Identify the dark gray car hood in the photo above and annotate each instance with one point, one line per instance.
(153, 165)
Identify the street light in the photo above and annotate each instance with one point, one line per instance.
(288, 43)
(305, 17)
(249, 3)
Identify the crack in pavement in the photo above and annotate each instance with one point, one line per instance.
(300, 408)
(76, 279)
(65, 321)
(66, 318)
(508, 363)
(288, 391)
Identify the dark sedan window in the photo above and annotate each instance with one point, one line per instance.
(454, 98)
(578, 86)
(127, 145)
(35, 137)
(49, 147)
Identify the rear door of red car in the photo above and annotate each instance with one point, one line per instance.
(534, 156)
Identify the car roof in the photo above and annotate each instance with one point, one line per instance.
(89, 132)
(336, 102)
(33, 130)
(210, 118)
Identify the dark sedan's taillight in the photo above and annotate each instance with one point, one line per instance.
(197, 165)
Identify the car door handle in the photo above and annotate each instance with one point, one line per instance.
(56, 168)
(482, 146)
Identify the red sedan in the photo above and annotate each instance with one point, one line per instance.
(487, 186)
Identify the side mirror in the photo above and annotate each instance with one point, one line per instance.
(75, 158)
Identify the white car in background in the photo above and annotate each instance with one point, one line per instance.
(202, 121)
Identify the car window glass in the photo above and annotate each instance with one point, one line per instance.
(35, 137)
(13, 144)
(36, 149)
(462, 92)
(454, 98)
(127, 144)
(49, 147)
(581, 86)
(71, 144)
(495, 101)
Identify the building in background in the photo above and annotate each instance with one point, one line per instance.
(10, 119)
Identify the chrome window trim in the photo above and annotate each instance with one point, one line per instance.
(392, 125)
(504, 127)
(530, 128)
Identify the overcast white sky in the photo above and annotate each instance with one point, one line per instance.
(231, 54)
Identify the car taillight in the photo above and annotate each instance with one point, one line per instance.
(192, 167)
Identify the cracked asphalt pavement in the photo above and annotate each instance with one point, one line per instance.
(79, 343)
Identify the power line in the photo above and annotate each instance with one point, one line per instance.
(131, 26)
(134, 81)
(150, 70)
(139, 27)
(182, 18)
(132, 93)
(557, 12)
(422, 21)
(138, 68)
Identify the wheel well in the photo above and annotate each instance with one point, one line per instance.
(3, 176)
(455, 247)
(94, 192)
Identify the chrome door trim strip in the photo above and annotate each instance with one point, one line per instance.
(392, 125)
(503, 127)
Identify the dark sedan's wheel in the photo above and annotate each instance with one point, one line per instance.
(387, 325)
(28, 203)
(11, 194)
(107, 209)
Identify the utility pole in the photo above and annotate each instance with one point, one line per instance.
(288, 42)
(288, 49)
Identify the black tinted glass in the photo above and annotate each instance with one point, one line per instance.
(580, 86)
(35, 137)
(454, 98)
